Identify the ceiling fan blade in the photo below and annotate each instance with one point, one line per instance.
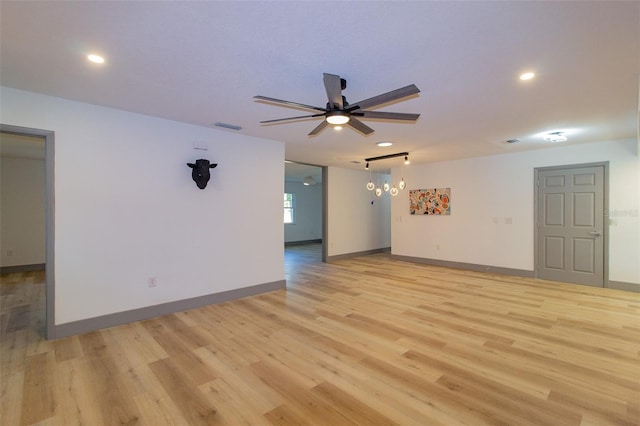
(318, 128)
(385, 97)
(333, 87)
(360, 126)
(291, 118)
(389, 115)
(288, 103)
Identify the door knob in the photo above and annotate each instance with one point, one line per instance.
(594, 233)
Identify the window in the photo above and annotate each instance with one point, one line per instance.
(289, 216)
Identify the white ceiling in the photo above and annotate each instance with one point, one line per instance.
(202, 62)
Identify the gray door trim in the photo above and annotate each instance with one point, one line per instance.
(605, 230)
(48, 135)
(325, 213)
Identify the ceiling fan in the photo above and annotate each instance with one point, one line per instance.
(339, 112)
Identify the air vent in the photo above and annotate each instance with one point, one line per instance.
(228, 126)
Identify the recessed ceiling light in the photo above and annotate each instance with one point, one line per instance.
(385, 143)
(527, 75)
(96, 59)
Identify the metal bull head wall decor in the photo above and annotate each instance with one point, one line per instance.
(200, 172)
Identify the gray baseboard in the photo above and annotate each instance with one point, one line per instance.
(358, 254)
(119, 318)
(616, 285)
(22, 268)
(301, 243)
(467, 266)
(620, 285)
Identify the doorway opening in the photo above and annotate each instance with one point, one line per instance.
(305, 201)
(23, 143)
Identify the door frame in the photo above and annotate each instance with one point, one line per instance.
(605, 227)
(49, 207)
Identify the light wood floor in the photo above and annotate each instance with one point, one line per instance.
(365, 341)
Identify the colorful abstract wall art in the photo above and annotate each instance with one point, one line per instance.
(430, 201)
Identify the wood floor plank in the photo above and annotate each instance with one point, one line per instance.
(361, 341)
(240, 381)
(11, 389)
(108, 390)
(298, 396)
(231, 404)
(195, 408)
(431, 394)
(74, 403)
(158, 411)
(38, 400)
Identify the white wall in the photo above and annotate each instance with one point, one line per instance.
(355, 224)
(126, 208)
(308, 212)
(22, 211)
(486, 191)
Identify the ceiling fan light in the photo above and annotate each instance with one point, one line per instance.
(337, 118)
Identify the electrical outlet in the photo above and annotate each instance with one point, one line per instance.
(152, 282)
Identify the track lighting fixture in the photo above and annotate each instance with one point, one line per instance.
(370, 186)
(386, 187)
